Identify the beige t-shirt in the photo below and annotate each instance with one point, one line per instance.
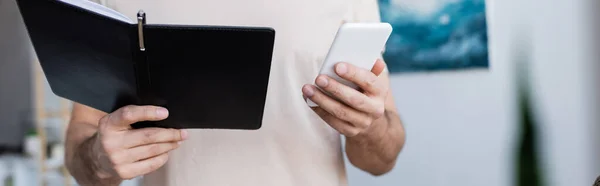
(294, 146)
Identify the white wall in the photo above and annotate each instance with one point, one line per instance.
(460, 125)
(564, 64)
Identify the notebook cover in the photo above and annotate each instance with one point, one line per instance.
(85, 57)
(207, 76)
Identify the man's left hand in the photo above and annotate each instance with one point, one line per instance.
(350, 111)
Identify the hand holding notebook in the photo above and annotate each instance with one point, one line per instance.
(98, 57)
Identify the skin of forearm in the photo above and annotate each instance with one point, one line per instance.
(376, 150)
(79, 156)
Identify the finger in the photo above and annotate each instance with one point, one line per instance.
(350, 96)
(124, 117)
(336, 108)
(143, 152)
(378, 67)
(364, 79)
(132, 170)
(343, 127)
(147, 136)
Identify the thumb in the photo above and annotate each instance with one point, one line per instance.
(378, 67)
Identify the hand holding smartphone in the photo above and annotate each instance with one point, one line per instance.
(359, 44)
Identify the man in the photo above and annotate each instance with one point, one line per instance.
(296, 145)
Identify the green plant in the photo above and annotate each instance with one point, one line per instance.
(528, 170)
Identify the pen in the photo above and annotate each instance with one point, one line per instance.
(141, 16)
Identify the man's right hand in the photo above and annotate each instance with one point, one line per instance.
(120, 152)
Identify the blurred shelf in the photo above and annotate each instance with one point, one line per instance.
(55, 114)
(42, 115)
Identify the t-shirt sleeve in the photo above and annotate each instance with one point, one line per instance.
(367, 11)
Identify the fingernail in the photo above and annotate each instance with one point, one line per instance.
(308, 91)
(162, 112)
(184, 134)
(322, 81)
(341, 69)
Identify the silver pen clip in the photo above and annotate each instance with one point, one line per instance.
(141, 17)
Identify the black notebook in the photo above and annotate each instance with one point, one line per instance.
(212, 77)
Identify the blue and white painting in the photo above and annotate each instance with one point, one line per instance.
(434, 35)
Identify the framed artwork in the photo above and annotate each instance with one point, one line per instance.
(435, 35)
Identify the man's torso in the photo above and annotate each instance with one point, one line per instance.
(294, 146)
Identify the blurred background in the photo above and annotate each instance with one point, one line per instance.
(530, 119)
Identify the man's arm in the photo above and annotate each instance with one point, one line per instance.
(102, 149)
(377, 149)
(83, 125)
(367, 118)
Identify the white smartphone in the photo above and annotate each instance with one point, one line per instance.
(359, 44)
